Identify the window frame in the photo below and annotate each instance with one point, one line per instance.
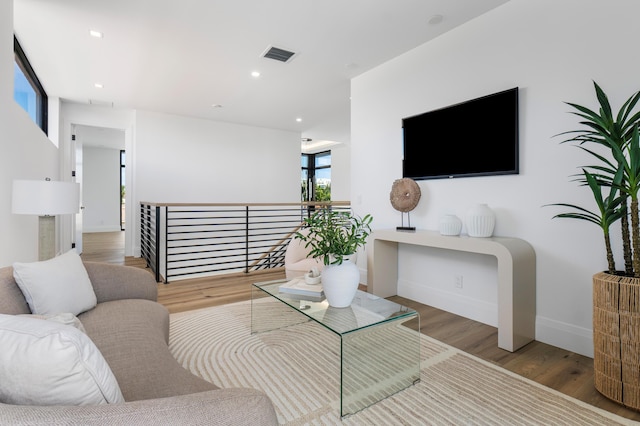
(42, 100)
(311, 172)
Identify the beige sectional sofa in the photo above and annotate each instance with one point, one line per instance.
(131, 331)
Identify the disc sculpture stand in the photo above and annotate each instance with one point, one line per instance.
(404, 196)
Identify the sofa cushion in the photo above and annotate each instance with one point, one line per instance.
(47, 363)
(12, 300)
(132, 336)
(57, 285)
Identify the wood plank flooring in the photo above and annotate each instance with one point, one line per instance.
(564, 371)
(105, 247)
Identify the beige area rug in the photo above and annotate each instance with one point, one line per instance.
(298, 367)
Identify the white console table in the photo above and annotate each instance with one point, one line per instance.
(516, 275)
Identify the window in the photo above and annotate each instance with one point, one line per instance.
(316, 176)
(27, 90)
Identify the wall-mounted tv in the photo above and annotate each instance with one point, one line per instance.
(478, 137)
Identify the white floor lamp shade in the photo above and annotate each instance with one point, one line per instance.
(45, 198)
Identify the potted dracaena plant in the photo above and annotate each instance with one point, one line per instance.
(335, 236)
(614, 181)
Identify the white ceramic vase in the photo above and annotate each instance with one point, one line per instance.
(480, 221)
(340, 282)
(450, 224)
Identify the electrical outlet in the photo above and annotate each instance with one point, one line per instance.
(458, 281)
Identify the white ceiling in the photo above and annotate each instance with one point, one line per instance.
(183, 56)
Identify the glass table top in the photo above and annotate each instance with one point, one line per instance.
(365, 310)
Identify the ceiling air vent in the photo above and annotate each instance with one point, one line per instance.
(100, 103)
(278, 54)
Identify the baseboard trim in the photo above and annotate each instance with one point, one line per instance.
(477, 310)
(566, 336)
(363, 276)
(552, 332)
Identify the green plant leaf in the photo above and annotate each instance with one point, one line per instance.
(618, 169)
(333, 234)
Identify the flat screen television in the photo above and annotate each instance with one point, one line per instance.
(478, 137)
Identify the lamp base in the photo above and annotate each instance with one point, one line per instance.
(46, 237)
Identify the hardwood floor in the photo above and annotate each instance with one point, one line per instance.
(103, 247)
(564, 371)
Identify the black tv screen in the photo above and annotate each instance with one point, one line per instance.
(474, 138)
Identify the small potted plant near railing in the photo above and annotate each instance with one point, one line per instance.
(335, 236)
(614, 181)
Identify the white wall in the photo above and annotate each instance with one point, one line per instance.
(341, 173)
(26, 154)
(101, 189)
(180, 159)
(552, 51)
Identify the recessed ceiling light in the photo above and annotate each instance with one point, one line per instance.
(255, 74)
(98, 85)
(96, 34)
(216, 106)
(298, 119)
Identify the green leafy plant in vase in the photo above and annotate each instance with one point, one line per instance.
(334, 236)
(614, 181)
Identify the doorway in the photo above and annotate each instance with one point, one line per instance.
(100, 157)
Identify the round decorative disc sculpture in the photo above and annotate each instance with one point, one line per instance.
(405, 194)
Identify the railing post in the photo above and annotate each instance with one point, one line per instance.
(246, 240)
(157, 244)
(142, 233)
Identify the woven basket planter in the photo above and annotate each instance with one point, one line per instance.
(616, 338)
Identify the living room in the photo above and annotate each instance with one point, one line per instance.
(552, 51)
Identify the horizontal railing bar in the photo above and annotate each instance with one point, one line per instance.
(180, 266)
(209, 264)
(224, 237)
(256, 245)
(204, 272)
(206, 244)
(207, 232)
(318, 204)
(178, 225)
(281, 229)
(254, 213)
(213, 251)
(213, 237)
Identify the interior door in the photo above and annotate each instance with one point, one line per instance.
(76, 146)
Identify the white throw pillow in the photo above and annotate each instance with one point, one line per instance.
(66, 318)
(57, 285)
(47, 363)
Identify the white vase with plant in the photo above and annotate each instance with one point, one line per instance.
(335, 236)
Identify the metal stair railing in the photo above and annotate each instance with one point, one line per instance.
(181, 241)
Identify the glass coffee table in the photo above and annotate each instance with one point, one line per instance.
(379, 339)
